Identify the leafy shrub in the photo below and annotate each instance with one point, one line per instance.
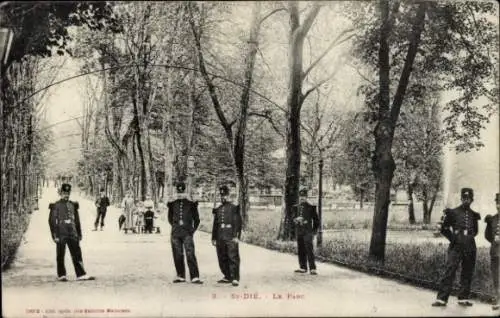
(14, 225)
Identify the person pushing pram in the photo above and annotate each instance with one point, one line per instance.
(148, 217)
(126, 220)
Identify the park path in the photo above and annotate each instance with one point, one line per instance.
(134, 279)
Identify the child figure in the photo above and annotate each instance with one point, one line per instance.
(149, 216)
(139, 213)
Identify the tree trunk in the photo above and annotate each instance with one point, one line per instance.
(426, 206)
(294, 104)
(383, 162)
(427, 219)
(143, 175)
(236, 146)
(286, 230)
(117, 190)
(138, 139)
(361, 198)
(167, 193)
(411, 209)
(239, 144)
(293, 153)
(152, 174)
(243, 198)
(384, 171)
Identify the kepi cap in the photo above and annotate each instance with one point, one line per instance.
(66, 187)
(467, 192)
(180, 187)
(223, 190)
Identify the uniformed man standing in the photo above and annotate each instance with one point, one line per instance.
(102, 206)
(184, 218)
(306, 222)
(459, 226)
(492, 234)
(65, 228)
(226, 232)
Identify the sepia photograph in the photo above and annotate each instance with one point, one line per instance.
(250, 158)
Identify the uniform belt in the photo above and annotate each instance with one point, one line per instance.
(464, 232)
(68, 221)
(227, 226)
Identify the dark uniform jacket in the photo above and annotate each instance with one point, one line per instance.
(492, 228)
(149, 215)
(458, 223)
(102, 203)
(227, 222)
(183, 216)
(308, 212)
(64, 220)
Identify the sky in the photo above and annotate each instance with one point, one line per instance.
(64, 103)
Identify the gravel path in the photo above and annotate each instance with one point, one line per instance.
(134, 279)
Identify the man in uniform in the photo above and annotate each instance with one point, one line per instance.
(102, 205)
(459, 226)
(149, 217)
(65, 228)
(307, 223)
(226, 232)
(492, 234)
(184, 218)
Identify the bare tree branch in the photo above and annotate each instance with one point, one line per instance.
(267, 116)
(271, 13)
(362, 75)
(315, 87)
(328, 49)
(308, 21)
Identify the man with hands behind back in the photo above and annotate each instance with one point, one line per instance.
(65, 228)
(226, 232)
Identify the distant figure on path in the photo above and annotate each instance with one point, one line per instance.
(459, 226)
(128, 207)
(149, 216)
(102, 206)
(306, 222)
(65, 228)
(492, 234)
(184, 218)
(226, 233)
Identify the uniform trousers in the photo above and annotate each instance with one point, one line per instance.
(101, 214)
(148, 225)
(76, 256)
(306, 251)
(179, 244)
(464, 253)
(228, 255)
